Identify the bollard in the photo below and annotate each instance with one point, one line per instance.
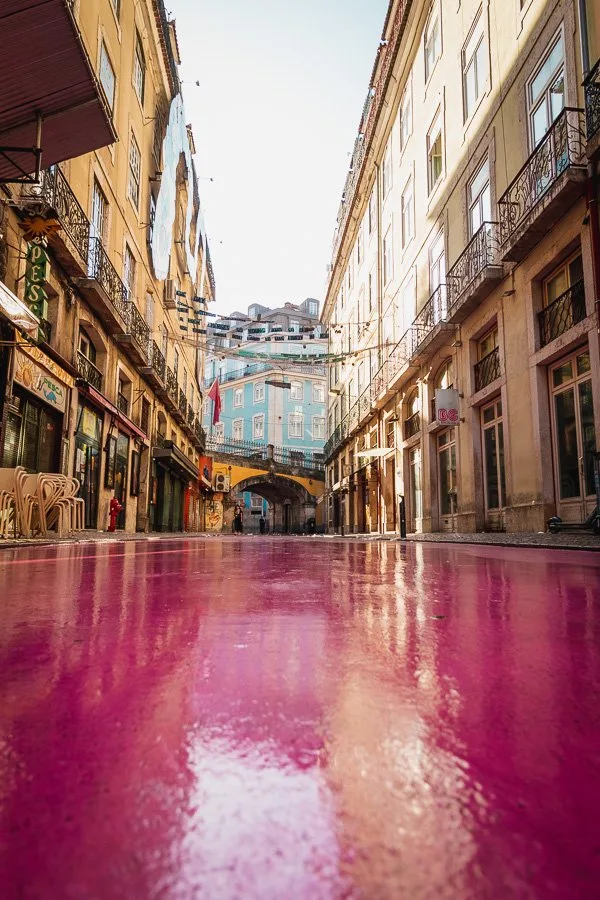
(402, 517)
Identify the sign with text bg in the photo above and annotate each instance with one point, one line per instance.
(446, 406)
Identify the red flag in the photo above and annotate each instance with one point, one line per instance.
(215, 396)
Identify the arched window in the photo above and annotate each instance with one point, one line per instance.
(412, 417)
(445, 376)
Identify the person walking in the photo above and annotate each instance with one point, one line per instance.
(262, 524)
(238, 521)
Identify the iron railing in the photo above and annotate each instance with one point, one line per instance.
(258, 368)
(306, 459)
(138, 327)
(412, 425)
(480, 252)
(561, 148)
(171, 381)
(190, 415)
(101, 268)
(487, 369)
(302, 459)
(592, 101)
(564, 312)
(88, 371)
(123, 404)
(158, 361)
(45, 330)
(199, 432)
(161, 440)
(182, 403)
(55, 190)
(434, 312)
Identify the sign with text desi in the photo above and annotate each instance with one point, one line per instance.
(446, 406)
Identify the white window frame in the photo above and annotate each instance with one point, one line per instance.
(388, 256)
(259, 391)
(406, 115)
(477, 201)
(407, 212)
(258, 427)
(134, 172)
(297, 420)
(386, 170)
(371, 213)
(238, 397)
(139, 68)
(297, 391)
(318, 393)
(435, 131)
(218, 432)
(129, 271)
(318, 425)
(471, 60)
(532, 105)
(437, 268)
(237, 429)
(106, 67)
(434, 24)
(256, 501)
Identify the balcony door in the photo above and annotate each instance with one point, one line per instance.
(574, 436)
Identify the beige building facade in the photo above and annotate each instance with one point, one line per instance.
(126, 278)
(465, 261)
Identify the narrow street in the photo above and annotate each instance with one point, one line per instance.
(295, 719)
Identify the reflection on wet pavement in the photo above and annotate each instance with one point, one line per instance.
(299, 719)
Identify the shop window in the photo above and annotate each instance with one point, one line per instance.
(32, 436)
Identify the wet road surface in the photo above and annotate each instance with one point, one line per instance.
(299, 719)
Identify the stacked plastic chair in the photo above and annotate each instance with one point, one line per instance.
(8, 501)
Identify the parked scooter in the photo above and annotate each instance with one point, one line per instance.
(592, 523)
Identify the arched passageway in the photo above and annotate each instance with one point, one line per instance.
(291, 504)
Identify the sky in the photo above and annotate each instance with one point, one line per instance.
(275, 116)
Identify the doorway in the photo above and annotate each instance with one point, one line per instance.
(87, 461)
(447, 479)
(416, 489)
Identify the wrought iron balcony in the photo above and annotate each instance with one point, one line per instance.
(155, 371)
(136, 337)
(549, 182)
(190, 415)
(182, 405)
(474, 273)
(123, 404)
(200, 434)
(104, 290)
(430, 327)
(412, 425)
(71, 243)
(88, 371)
(487, 369)
(592, 105)
(172, 390)
(564, 312)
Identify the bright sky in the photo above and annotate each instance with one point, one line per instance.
(282, 86)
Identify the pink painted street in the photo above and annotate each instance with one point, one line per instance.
(299, 718)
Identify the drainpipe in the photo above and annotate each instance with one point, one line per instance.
(592, 177)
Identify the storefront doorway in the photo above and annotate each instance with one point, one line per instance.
(32, 436)
(574, 436)
(416, 489)
(446, 443)
(88, 437)
(494, 480)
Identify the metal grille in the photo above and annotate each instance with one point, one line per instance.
(101, 268)
(158, 361)
(54, 189)
(480, 252)
(138, 326)
(182, 403)
(88, 371)
(564, 312)
(172, 384)
(412, 425)
(190, 415)
(487, 369)
(562, 147)
(592, 101)
(123, 404)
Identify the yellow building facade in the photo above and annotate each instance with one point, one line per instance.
(126, 279)
(463, 289)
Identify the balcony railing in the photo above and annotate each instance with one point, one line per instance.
(88, 371)
(123, 404)
(480, 253)
(190, 415)
(158, 361)
(171, 382)
(306, 459)
(138, 327)
(564, 312)
(199, 432)
(487, 369)
(412, 425)
(54, 189)
(182, 403)
(592, 102)
(102, 270)
(562, 147)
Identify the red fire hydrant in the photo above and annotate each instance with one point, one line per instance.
(115, 509)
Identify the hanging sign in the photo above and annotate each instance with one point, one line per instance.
(446, 406)
(40, 381)
(36, 275)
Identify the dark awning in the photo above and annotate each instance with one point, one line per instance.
(172, 458)
(45, 69)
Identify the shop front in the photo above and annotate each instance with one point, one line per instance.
(172, 472)
(88, 437)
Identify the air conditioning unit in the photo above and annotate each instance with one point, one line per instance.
(170, 294)
(221, 483)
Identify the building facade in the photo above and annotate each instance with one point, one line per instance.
(110, 392)
(464, 276)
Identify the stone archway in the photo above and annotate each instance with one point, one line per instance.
(292, 505)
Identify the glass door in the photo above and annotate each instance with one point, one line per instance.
(493, 464)
(416, 489)
(121, 476)
(574, 437)
(447, 479)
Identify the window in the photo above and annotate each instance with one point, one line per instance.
(135, 165)
(386, 170)
(359, 247)
(487, 344)
(86, 348)
(370, 298)
(447, 472)
(295, 425)
(371, 212)
(294, 325)
(569, 274)
(318, 428)
(408, 302)
(388, 264)
(479, 198)
(238, 429)
(159, 133)
(256, 502)
(318, 393)
(407, 211)
(185, 381)
(349, 276)
(259, 392)
(433, 44)
(129, 271)
(406, 116)
(563, 299)
(176, 363)
(493, 456)
(297, 391)
(437, 263)
(546, 91)
(139, 68)
(99, 212)
(150, 310)
(313, 308)
(238, 397)
(435, 153)
(107, 76)
(145, 416)
(258, 427)
(474, 66)
(218, 432)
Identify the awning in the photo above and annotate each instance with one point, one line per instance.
(45, 70)
(16, 311)
(172, 458)
(121, 419)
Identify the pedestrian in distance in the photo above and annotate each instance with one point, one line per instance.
(238, 521)
(262, 525)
